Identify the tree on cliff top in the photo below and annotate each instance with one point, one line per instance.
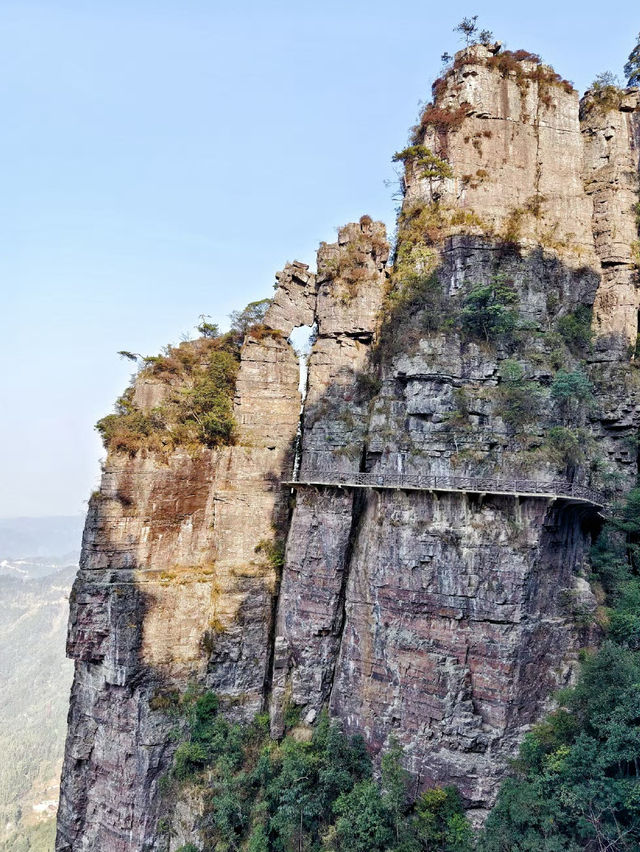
(632, 66)
(468, 29)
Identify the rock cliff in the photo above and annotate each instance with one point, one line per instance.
(443, 618)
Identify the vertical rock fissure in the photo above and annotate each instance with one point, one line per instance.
(536, 129)
(302, 339)
(271, 637)
(360, 500)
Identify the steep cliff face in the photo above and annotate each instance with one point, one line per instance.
(171, 590)
(445, 619)
(611, 134)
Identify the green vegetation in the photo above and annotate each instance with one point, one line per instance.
(429, 164)
(575, 329)
(572, 392)
(195, 406)
(208, 329)
(576, 783)
(488, 310)
(249, 319)
(520, 400)
(413, 307)
(604, 94)
(312, 792)
(632, 65)
(567, 447)
(471, 33)
(273, 550)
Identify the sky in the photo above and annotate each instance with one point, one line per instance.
(162, 160)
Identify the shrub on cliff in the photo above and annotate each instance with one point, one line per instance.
(575, 329)
(247, 319)
(520, 401)
(413, 307)
(430, 165)
(572, 392)
(196, 405)
(129, 430)
(566, 447)
(314, 792)
(488, 311)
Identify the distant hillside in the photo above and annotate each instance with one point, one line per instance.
(35, 676)
(40, 537)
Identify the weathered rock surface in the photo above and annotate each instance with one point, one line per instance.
(445, 620)
(310, 608)
(453, 650)
(526, 168)
(171, 590)
(611, 134)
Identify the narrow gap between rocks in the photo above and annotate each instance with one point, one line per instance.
(302, 339)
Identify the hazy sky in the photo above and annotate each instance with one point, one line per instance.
(163, 159)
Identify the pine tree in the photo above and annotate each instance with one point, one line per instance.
(632, 67)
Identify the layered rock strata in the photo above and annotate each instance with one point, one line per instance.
(171, 590)
(444, 620)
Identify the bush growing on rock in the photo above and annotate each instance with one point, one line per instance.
(488, 311)
(572, 391)
(575, 329)
(520, 400)
(197, 403)
(313, 792)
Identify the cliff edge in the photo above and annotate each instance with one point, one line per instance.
(497, 345)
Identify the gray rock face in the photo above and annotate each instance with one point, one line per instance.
(611, 134)
(171, 590)
(454, 650)
(445, 620)
(294, 302)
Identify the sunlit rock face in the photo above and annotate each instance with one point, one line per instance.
(443, 619)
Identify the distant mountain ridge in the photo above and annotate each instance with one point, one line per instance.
(48, 536)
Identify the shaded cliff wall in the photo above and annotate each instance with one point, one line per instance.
(351, 285)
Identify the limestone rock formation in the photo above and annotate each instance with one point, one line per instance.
(445, 618)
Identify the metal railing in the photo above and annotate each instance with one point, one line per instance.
(425, 482)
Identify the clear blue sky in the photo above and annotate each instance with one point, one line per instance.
(163, 159)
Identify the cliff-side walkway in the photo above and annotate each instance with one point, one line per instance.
(551, 489)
